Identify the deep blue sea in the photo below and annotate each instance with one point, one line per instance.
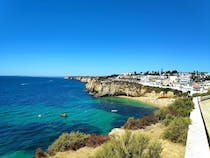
(24, 99)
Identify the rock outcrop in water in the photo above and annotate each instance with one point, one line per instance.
(107, 86)
(40, 154)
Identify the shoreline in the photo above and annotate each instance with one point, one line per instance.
(153, 101)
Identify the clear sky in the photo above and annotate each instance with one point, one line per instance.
(99, 37)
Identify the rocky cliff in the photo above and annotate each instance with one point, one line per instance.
(104, 86)
(81, 78)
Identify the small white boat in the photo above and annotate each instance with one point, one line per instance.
(114, 110)
(64, 114)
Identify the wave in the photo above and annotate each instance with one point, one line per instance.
(24, 84)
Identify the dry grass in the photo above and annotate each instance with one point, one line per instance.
(154, 132)
(84, 152)
(170, 150)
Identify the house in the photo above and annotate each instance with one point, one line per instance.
(173, 79)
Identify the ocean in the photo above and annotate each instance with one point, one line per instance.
(30, 109)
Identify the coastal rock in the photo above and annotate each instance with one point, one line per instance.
(99, 88)
(107, 86)
(40, 154)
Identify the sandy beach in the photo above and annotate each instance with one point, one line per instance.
(158, 102)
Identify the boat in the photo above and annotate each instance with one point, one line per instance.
(114, 110)
(64, 114)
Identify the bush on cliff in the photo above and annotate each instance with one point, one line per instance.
(176, 117)
(169, 118)
(177, 130)
(181, 107)
(165, 90)
(130, 145)
(161, 113)
(94, 140)
(140, 123)
(68, 141)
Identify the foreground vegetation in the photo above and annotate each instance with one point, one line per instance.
(68, 141)
(75, 141)
(154, 132)
(130, 146)
(175, 117)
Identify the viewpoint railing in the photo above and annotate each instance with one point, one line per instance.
(197, 145)
(204, 98)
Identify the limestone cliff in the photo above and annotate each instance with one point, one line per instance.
(84, 79)
(107, 87)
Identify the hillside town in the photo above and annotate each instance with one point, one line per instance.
(191, 82)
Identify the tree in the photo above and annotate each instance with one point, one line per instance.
(174, 72)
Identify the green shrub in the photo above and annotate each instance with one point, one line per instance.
(181, 107)
(140, 123)
(136, 144)
(68, 141)
(176, 117)
(168, 119)
(165, 90)
(177, 130)
(129, 146)
(161, 113)
(154, 150)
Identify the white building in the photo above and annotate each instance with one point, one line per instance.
(173, 78)
(206, 85)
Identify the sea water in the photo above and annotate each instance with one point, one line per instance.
(30, 109)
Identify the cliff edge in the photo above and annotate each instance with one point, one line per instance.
(107, 86)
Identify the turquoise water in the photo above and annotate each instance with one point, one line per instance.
(24, 99)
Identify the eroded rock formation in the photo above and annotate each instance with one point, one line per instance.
(105, 86)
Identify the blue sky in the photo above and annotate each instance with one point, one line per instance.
(80, 37)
